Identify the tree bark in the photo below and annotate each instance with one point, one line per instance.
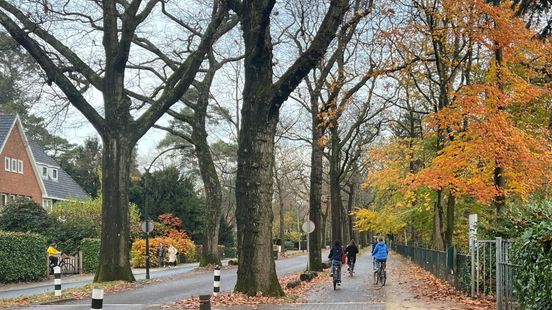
(315, 195)
(281, 233)
(438, 227)
(115, 245)
(451, 205)
(336, 205)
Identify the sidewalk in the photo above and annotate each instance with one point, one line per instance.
(358, 292)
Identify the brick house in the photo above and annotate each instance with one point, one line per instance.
(27, 171)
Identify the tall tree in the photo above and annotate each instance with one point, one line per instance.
(262, 99)
(117, 23)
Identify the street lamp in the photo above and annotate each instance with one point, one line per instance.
(146, 189)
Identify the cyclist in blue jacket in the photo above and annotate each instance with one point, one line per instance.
(335, 256)
(380, 252)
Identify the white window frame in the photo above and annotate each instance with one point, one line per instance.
(20, 166)
(47, 204)
(7, 163)
(44, 172)
(3, 199)
(14, 165)
(55, 174)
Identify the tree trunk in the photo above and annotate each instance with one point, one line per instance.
(350, 209)
(315, 197)
(280, 204)
(335, 187)
(256, 272)
(213, 195)
(114, 251)
(451, 204)
(438, 228)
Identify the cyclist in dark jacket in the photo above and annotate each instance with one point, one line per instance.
(351, 251)
(335, 255)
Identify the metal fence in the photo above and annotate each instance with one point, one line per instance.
(435, 262)
(486, 272)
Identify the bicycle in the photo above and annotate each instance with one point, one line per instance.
(351, 268)
(336, 271)
(380, 275)
(64, 263)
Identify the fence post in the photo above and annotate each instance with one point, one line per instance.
(80, 263)
(499, 291)
(473, 245)
(216, 282)
(97, 298)
(57, 281)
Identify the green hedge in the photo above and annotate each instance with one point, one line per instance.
(90, 249)
(533, 280)
(23, 257)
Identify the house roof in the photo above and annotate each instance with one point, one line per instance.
(65, 187)
(6, 124)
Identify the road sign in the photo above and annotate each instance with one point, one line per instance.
(150, 226)
(308, 227)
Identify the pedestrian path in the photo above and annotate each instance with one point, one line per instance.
(359, 292)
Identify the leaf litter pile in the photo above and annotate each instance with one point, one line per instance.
(435, 289)
(292, 295)
(78, 293)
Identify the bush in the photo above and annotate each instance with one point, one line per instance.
(179, 240)
(533, 280)
(90, 254)
(24, 215)
(22, 257)
(77, 220)
(230, 252)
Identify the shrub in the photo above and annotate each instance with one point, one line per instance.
(24, 215)
(230, 252)
(22, 257)
(533, 280)
(179, 240)
(76, 220)
(90, 254)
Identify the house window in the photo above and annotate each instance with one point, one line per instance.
(7, 163)
(44, 172)
(4, 199)
(47, 204)
(14, 165)
(54, 174)
(20, 166)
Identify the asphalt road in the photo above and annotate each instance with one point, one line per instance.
(175, 287)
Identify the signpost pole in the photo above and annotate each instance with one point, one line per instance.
(308, 227)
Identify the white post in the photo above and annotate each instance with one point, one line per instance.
(57, 281)
(216, 282)
(97, 298)
(473, 244)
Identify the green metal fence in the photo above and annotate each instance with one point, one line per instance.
(457, 273)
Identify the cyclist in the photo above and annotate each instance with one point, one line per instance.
(335, 255)
(351, 251)
(53, 256)
(380, 252)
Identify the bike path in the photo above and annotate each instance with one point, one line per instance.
(359, 292)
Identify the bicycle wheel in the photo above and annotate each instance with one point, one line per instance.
(376, 277)
(383, 277)
(335, 284)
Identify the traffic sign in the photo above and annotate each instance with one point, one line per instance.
(150, 226)
(308, 226)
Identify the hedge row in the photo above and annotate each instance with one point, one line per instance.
(90, 249)
(22, 257)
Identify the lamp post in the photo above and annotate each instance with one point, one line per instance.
(146, 189)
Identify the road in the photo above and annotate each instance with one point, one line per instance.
(175, 287)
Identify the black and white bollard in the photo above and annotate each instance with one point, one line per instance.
(204, 302)
(57, 281)
(216, 282)
(97, 298)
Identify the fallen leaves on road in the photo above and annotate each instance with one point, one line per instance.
(438, 290)
(77, 293)
(292, 295)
